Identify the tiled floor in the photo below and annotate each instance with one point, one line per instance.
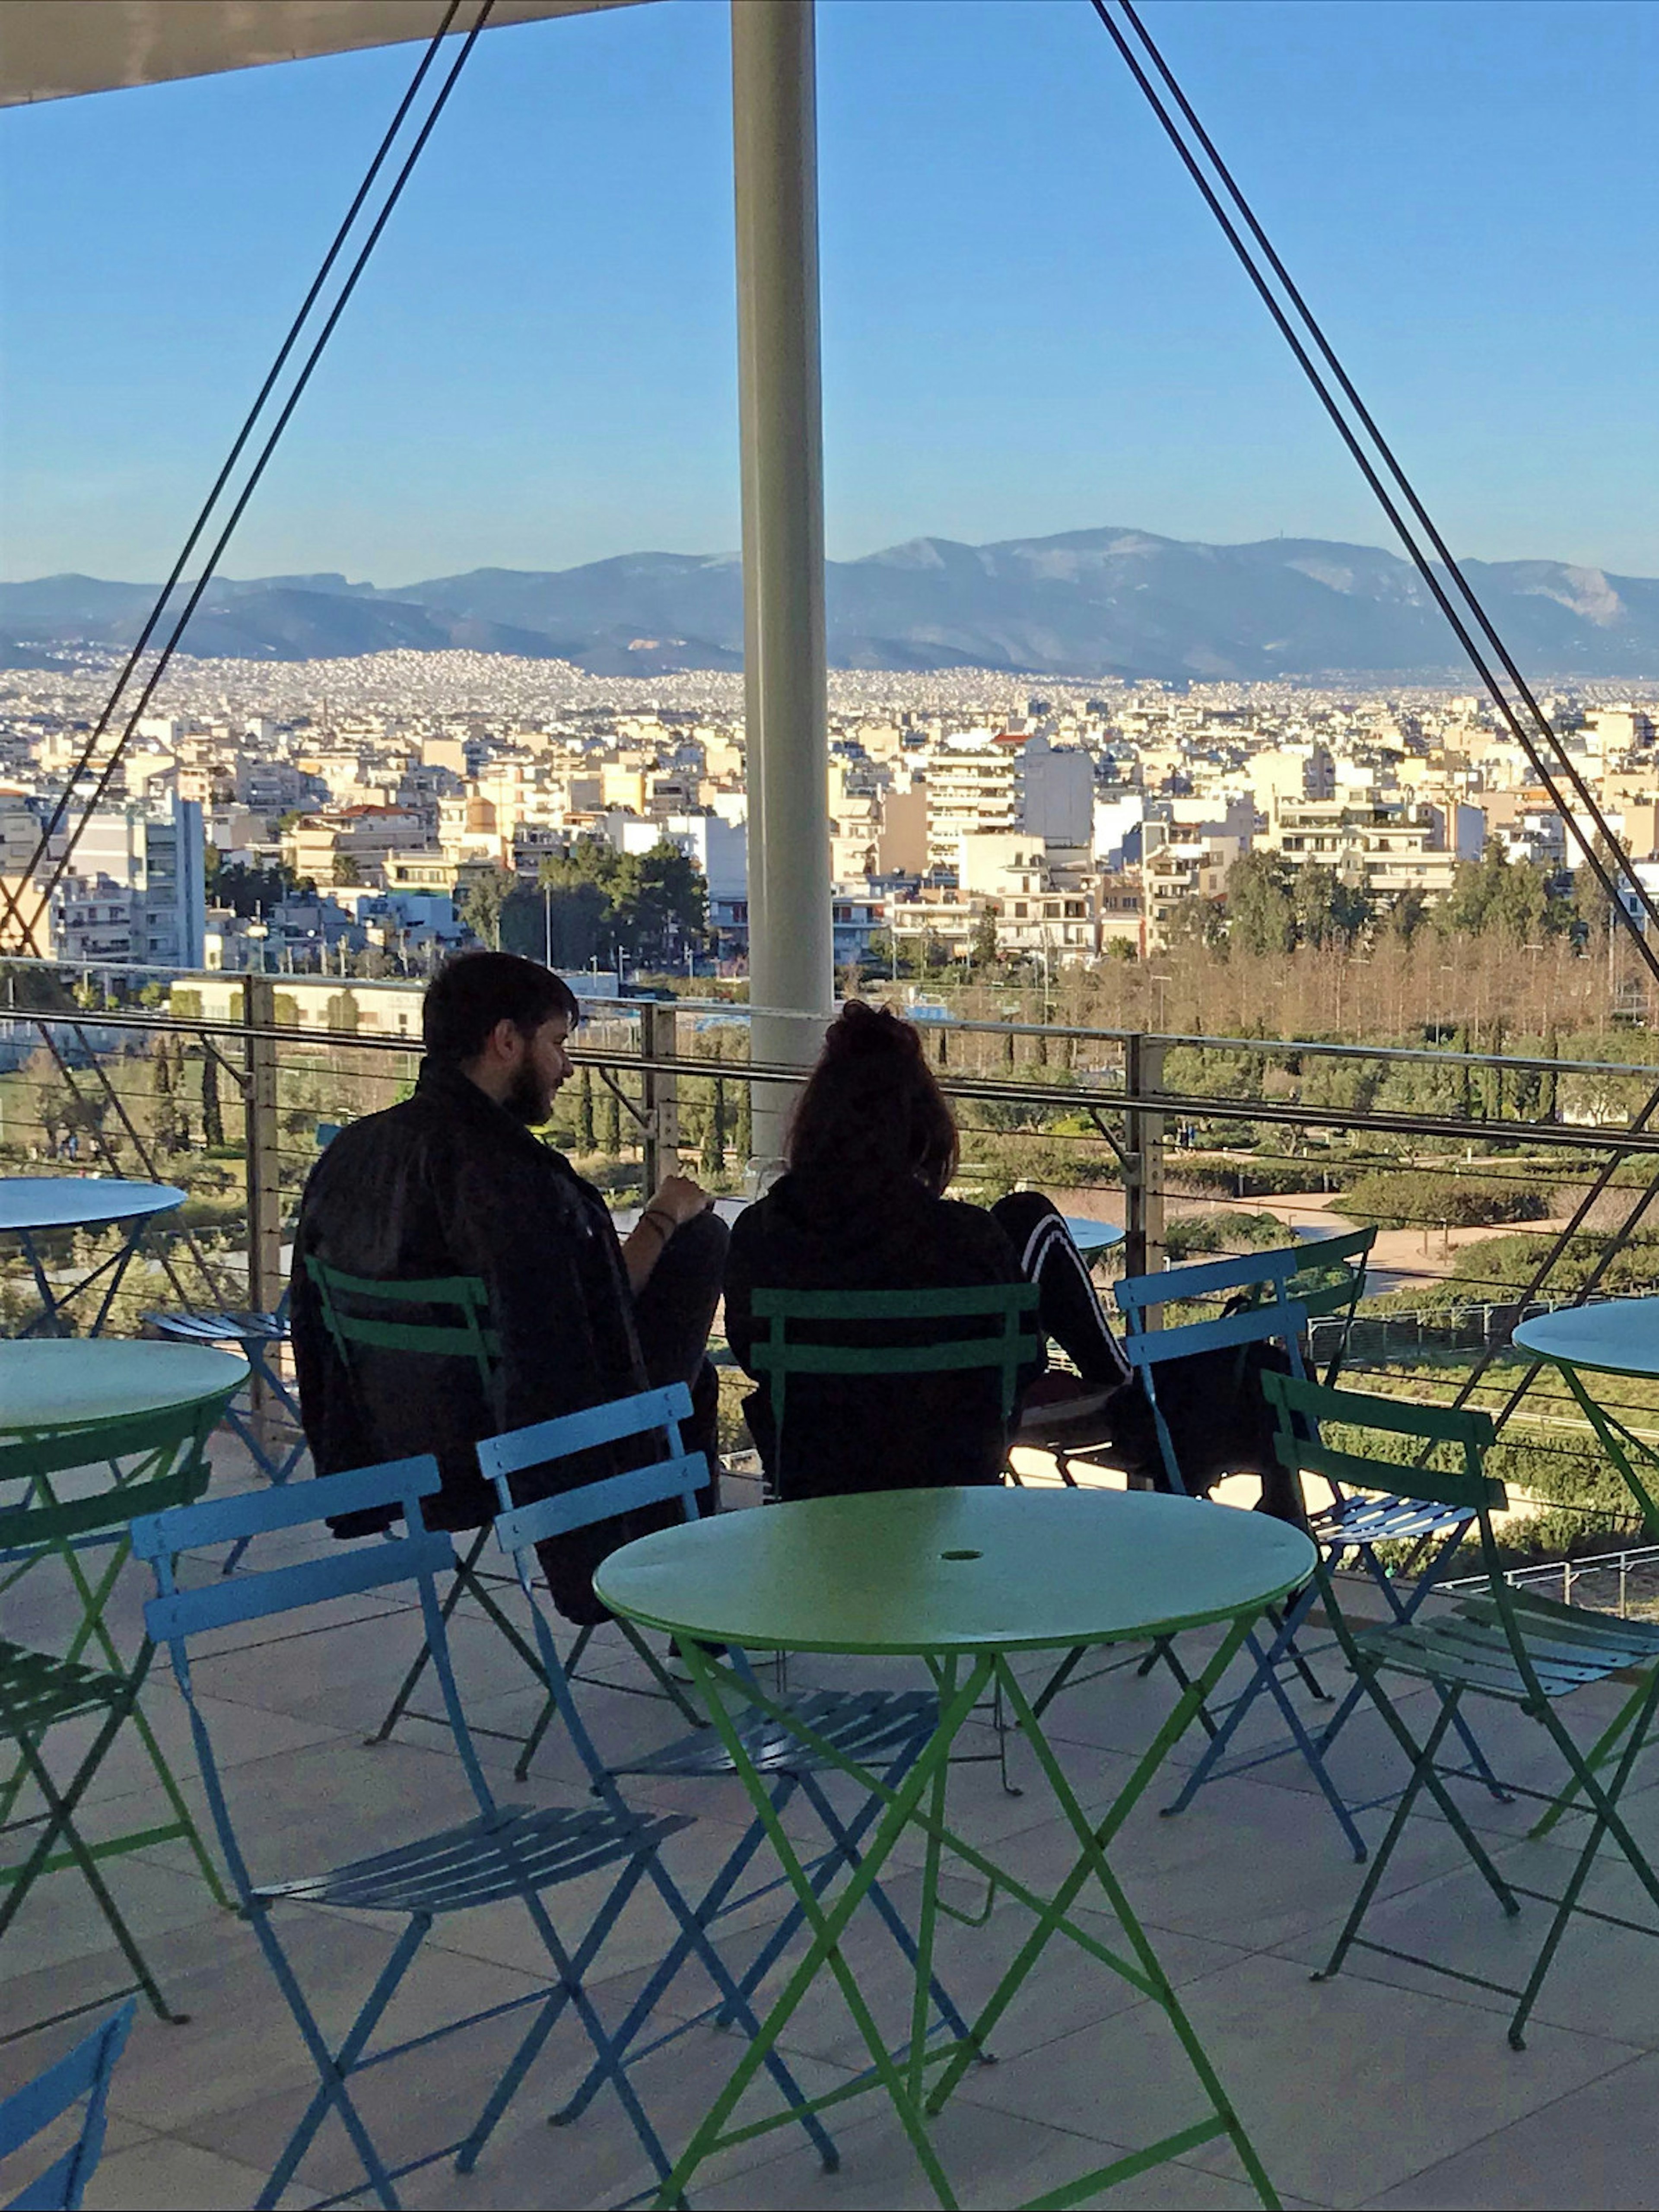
(1383, 2087)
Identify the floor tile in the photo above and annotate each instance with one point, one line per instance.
(1343, 2088)
(1592, 2148)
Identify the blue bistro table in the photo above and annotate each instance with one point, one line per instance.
(1619, 1336)
(33, 1206)
(964, 1580)
(1093, 1239)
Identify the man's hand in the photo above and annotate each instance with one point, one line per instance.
(680, 1199)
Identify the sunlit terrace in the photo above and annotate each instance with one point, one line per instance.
(1387, 2084)
(1071, 1931)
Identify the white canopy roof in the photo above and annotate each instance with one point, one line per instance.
(50, 49)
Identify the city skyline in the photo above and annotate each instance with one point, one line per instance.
(1029, 323)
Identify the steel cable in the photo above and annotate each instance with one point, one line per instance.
(239, 508)
(1363, 460)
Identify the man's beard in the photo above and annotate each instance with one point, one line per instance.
(528, 1101)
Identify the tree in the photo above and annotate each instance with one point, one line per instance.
(1496, 896)
(346, 870)
(43, 1082)
(712, 1161)
(248, 890)
(1407, 915)
(1593, 910)
(986, 950)
(610, 1122)
(164, 1111)
(1196, 920)
(213, 1122)
(1327, 910)
(607, 905)
(481, 911)
(743, 1130)
(586, 1140)
(1260, 912)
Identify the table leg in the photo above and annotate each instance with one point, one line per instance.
(828, 1925)
(48, 1312)
(919, 1802)
(124, 1260)
(1608, 1433)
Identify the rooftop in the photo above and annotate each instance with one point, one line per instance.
(1374, 2090)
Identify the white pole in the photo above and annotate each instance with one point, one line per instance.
(774, 146)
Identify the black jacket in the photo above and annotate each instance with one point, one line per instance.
(870, 1433)
(450, 1183)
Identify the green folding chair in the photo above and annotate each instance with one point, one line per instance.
(1525, 1650)
(448, 1317)
(158, 1459)
(805, 1333)
(993, 1329)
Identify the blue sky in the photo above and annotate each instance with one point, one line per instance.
(1030, 322)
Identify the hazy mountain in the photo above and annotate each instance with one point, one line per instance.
(1091, 603)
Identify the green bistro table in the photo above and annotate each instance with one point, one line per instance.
(72, 1383)
(1619, 1336)
(93, 1388)
(964, 1580)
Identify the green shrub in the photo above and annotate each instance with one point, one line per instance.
(1435, 1197)
(1195, 1233)
(1250, 1178)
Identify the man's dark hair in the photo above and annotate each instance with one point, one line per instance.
(872, 1111)
(475, 990)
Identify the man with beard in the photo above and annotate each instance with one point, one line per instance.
(453, 1182)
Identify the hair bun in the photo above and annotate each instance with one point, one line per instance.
(866, 1032)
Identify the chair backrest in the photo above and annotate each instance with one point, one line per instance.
(1148, 1349)
(1329, 1285)
(29, 2111)
(678, 1474)
(361, 1314)
(165, 1464)
(1309, 1440)
(520, 1528)
(174, 1616)
(1304, 1447)
(796, 1334)
(1254, 1274)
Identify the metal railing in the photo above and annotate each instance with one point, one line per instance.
(1623, 1577)
(256, 1068)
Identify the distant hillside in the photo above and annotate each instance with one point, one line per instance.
(1091, 603)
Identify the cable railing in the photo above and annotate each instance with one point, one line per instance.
(230, 1089)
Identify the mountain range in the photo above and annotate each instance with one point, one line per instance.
(1091, 603)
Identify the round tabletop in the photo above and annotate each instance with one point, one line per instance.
(59, 1383)
(906, 1571)
(1619, 1337)
(1093, 1237)
(80, 1201)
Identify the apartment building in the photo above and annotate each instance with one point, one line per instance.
(136, 893)
(1180, 868)
(1389, 845)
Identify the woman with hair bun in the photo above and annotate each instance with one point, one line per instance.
(871, 1148)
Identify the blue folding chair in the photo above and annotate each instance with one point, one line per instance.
(1355, 1524)
(29, 2111)
(885, 1729)
(260, 1337)
(507, 1852)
